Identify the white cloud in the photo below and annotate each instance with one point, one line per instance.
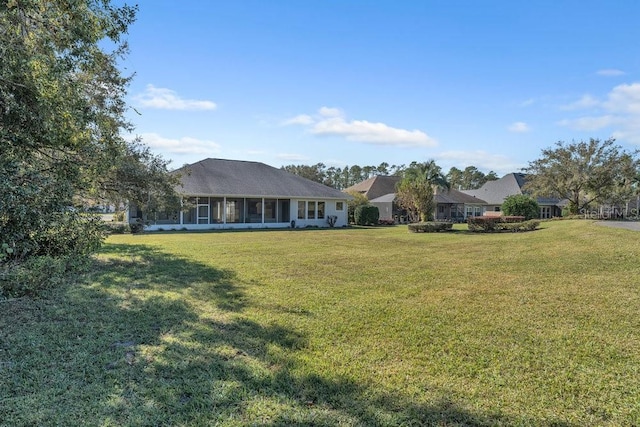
(484, 161)
(301, 119)
(519, 127)
(330, 112)
(331, 121)
(610, 72)
(620, 112)
(625, 99)
(590, 123)
(587, 101)
(527, 102)
(167, 99)
(184, 145)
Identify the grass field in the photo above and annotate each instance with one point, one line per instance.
(335, 327)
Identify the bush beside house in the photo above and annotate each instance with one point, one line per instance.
(366, 215)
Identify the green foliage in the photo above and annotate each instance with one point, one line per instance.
(62, 115)
(522, 205)
(529, 225)
(120, 216)
(415, 192)
(117, 228)
(429, 227)
(468, 179)
(39, 273)
(583, 172)
(366, 215)
(482, 224)
(359, 199)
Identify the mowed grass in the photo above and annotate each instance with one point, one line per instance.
(346, 327)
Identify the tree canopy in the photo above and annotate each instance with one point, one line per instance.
(415, 191)
(583, 172)
(521, 205)
(62, 116)
(470, 178)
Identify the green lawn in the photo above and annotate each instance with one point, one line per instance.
(363, 326)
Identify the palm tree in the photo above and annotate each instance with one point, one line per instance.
(415, 190)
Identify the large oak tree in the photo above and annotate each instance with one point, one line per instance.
(582, 172)
(62, 119)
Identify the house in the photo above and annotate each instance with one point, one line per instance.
(224, 194)
(454, 205)
(374, 187)
(495, 192)
(451, 204)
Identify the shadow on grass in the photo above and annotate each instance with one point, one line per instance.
(131, 345)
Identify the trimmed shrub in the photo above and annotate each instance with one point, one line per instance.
(482, 224)
(429, 227)
(117, 228)
(530, 225)
(366, 215)
(521, 205)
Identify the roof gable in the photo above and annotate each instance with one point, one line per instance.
(494, 192)
(220, 177)
(376, 186)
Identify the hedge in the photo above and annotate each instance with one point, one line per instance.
(429, 227)
(485, 224)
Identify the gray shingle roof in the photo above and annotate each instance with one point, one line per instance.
(453, 196)
(220, 177)
(494, 192)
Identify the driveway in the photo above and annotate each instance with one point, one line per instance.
(629, 225)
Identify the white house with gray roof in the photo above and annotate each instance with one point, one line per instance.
(495, 192)
(233, 194)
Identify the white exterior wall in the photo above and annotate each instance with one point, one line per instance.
(330, 209)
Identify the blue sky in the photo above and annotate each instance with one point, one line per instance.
(483, 83)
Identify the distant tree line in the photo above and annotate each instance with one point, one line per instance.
(340, 178)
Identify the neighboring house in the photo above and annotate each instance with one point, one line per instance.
(375, 187)
(452, 205)
(386, 207)
(222, 194)
(495, 192)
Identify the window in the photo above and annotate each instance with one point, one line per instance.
(301, 208)
(320, 210)
(311, 210)
(339, 206)
(545, 212)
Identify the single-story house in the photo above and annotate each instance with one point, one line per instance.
(376, 186)
(495, 192)
(451, 204)
(454, 205)
(224, 194)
